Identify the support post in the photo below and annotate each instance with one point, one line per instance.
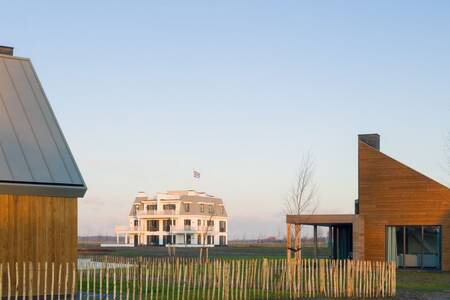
(337, 242)
(297, 241)
(315, 241)
(288, 241)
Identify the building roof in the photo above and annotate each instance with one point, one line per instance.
(35, 158)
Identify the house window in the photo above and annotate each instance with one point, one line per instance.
(152, 207)
(210, 240)
(188, 239)
(168, 239)
(153, 225)
(167, 224)
(152, 240)
(187, 207)
(211, 223)
(414, 246)
(210, 209)
(136, 223)
(222, 226)
(169, 206)
(202, 208)
(187, 224)
(199, 222)
(222, 240)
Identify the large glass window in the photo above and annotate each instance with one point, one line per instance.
(414, 246)
(431, 246)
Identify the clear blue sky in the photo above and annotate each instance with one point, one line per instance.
(239, 90)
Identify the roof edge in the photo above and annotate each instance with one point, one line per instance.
(50, 190)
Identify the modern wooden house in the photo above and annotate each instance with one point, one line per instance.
(401, 215)
(39, 179)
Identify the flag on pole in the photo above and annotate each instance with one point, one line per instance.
(196, 174)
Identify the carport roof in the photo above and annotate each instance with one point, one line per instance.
(323, 220)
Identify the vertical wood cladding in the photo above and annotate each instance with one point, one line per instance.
(37, 229)
(391, 193)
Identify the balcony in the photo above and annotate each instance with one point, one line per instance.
(123, 229)
(168, 212)
(193, 229)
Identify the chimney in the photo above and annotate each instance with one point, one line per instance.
(372, 140)
(5, 50)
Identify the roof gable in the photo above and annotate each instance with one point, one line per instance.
(34, 155)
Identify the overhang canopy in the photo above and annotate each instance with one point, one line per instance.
(323, 220)
(35, 158)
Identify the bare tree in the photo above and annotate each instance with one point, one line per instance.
(302, 197)
(204, 235)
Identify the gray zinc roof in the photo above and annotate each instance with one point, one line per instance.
(34, 156)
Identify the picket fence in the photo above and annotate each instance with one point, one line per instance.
(190, 278)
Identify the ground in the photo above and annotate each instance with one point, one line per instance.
(414, 285)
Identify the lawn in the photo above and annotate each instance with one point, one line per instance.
(410, 284)
(241, 251)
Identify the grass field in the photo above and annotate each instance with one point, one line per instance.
(238, 251)
(411, 284)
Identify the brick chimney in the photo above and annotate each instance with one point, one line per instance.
(6, 50)
(372, 140)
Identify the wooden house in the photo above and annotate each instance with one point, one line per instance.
(400, 215)
(39, 178)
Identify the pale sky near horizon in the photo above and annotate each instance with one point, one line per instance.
(238, 90)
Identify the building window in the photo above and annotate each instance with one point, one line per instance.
(187, 207)
(153, 225)
(136, 223)
(222, 240)
(222, 226)
(187, 224)
(202, 208)
(167, 224)
(152, 240)
(168, 239)
(414, 246)
(199, 222)
(152, 207)
(188, 239)
(210, 240)
(210, 209)
(210, 223)
(169, 206)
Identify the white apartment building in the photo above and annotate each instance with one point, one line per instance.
(184, 218)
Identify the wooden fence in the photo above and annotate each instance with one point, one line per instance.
(183, 278)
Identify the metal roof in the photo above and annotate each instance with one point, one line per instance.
(34, 156)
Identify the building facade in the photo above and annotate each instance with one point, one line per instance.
(181, 218)
(400, 215)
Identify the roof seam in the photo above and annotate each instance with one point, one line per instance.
(48, 127)
(14, 128)
(6, 160)
(52, 113)
(29, 124)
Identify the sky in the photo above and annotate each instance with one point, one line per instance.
(147, 91)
